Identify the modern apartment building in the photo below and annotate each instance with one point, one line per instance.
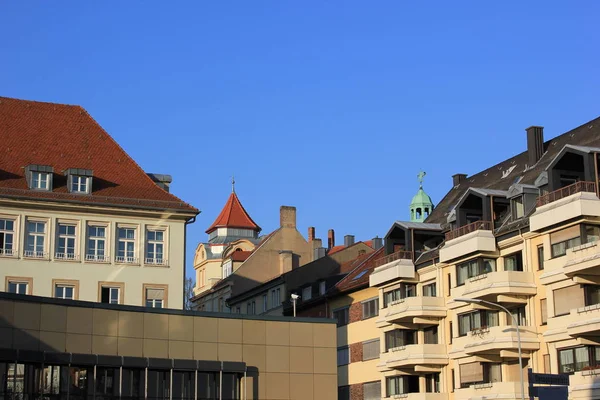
(522, 234)
(79, 219)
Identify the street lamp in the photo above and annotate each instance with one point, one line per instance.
(295, 298)
(489, 303)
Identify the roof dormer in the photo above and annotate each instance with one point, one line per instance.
(79, 180)
(39, 177)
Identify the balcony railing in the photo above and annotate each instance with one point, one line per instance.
(577, 187)
(156, 261)
(97, 258)
(7, 252)
(126, 260)
(399, 255)
(66, 256)
(472, 227)
(35, 254)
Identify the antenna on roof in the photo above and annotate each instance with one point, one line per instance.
(232, 184)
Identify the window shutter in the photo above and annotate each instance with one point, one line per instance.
(565, 234)
(371, 350)
(372, 391)
(471, 372)
(155, 294)
(568, 298)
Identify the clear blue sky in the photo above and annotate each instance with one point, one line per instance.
(330, 106)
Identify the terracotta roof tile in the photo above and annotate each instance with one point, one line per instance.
(240, 255)
(233, 215)
(66, 136)
(359, 276)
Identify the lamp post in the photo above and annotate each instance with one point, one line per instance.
(489, 303)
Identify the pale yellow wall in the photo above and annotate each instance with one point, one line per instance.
(89, 274)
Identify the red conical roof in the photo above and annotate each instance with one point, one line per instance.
(233, 215)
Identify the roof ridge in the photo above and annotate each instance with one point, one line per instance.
(40, 102)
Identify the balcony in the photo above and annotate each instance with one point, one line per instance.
(498, 340)
(35, 254)
(398, 265)
(584, 384)
(66, 256)
(475, 237)
(156, 261)
(508, 390)
(412, 355)
(580, 322)
(418, 396)
(126, 260)
(576, 200)
(7, 253)
(499, 286)
(417, 310)
(583, 260)
(97, 258)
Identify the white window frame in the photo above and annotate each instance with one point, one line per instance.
(75, 237)
(77, 181)
(13, 251)
(154, 302)
(126, 259)
(64, 287)
(265, 302)
(94, 256)
(307, 293)
(18, 284)
(111, 288)
(36, 180)
(35, 254)
(155, 260)
(227, 268)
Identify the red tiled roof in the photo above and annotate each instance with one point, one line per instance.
(233, 215)
(340, 247)
(240, 255)
(354, 279)
(66, 136)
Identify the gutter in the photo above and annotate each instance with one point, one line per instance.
(189, 221)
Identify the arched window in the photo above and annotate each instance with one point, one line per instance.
(418, 213)
(412, 213)
(426, 211)
(238, 249)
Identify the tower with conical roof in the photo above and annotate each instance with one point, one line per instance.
(421, 204)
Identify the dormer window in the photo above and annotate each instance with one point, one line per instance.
(79, 180)
(39, 177)
(518, 209)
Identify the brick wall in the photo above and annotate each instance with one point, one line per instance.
(355, 312)
(356, 391)
(356, 352)
(316, 311)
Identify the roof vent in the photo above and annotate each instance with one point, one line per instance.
(535, 144)
(458, 178)
(348, 240)
(377, 243)
(161, 180)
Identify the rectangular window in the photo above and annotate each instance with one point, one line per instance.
(341, 316)
(397, 385)
(567, 299)
(565, 239)
(473, 268)
(540, 255)
(64, 292)
(476, 320)
(155, 297)
(518, 210)
(513, 262)
(399, 338)
(470, 373)
(322, 288)
(227, 268)
(184, 385)
(7, 237)
(405, 290)
(544, 311)
(79, 184)
(431, 335)
(275, 298)
(547, 364)
(40, 180)
(432, 383)
(372, 390)
(126, 251)
(96, 244)
(307, 293)
(343, 356)
(370, 308)
(371, 349)
(449, 283)
(133, 383)
(578, 359)
(343, 393)
(519, 315)
(453, 380)
(159, 384)
(18, 287)
(155, 245)
(36, 236)
(110, 295)
(451, 332)
(592, 295)
(591, 233)
(107, 383)
(430, 290)
(265, 303)
(65, 249)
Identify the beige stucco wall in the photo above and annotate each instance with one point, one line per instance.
(295, 360)
(89, 274)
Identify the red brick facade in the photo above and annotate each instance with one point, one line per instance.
(356, 392)
(355, 312)
(356, 352)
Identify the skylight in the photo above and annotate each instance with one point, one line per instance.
(359, 275)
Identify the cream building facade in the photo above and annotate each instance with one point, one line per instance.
(82, 220)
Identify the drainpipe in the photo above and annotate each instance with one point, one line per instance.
(533, 316)
(189, 221)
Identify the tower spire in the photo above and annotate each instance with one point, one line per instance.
(421, 204)
(232, 184)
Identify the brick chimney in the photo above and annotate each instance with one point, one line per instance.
(330, 239)
(535, 144)
(311, 233)
(458, 178)
(287, 217)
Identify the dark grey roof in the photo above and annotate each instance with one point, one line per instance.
(419, 225)
(515, 169)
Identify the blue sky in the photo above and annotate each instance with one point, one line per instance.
(330, 106)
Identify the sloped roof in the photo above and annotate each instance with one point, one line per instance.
(233, 215)
(66, 136)
(341, 247)
(515, 169)
(240, 255)
(359, 276)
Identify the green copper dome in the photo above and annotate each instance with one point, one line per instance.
(421, 204)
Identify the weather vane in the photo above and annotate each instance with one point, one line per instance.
(421, 175)
(232, 184)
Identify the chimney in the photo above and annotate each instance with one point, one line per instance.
(348, 240)
(287, 217)
(535, 144)
(161, 180)
(319, 252)
(458, 178)
(311, 233)
(330, 239)
(377, 243)
(286, 259)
